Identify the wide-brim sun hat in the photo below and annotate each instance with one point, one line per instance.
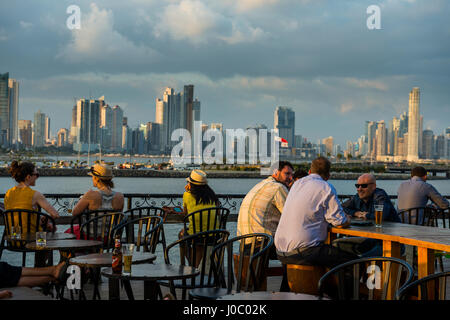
(197, 177)
(101, 171)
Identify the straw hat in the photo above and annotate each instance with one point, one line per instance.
(101, 171)
(197, 177)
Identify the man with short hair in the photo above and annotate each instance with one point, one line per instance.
(261, 208)
(416, 192)
(361, 206)
(312, 204)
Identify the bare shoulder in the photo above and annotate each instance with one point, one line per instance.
(119, 196)
(92, 195)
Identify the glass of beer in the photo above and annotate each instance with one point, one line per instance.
(378, 215)
(127, 254)
(41, 239)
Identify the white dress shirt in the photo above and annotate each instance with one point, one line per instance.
(311, 204)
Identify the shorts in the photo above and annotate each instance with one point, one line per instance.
(9, 275)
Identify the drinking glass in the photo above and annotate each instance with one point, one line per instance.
(41, 238)
(378, 215)
(127, 254)
(16, 232)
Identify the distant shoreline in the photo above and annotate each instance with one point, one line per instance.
(60, 172)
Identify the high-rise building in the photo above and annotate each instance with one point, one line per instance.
(63, 137)
(439, 150)
(162, 119)
(371, 138)
(25, 132)
(381, 139)
(428, 144)
(413, 125)
(284, 122)
(9, 110)
(117, 132)
(187, 119)
(328, 142)
(48, 137)
(39, 129)
(196, 106)
(88, 124)
(153, 136)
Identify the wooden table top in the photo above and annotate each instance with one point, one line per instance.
(153, 272)
(105, 259)
(420, 236)
(65, 244)
(266, 295)
(29, 237)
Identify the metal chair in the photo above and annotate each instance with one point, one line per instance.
(214, 218)
(246, 270)
(78, 220)
(442, 219)
(101, 228)
(365, 279)
(30, 221)
(195, 251)
(140, 212)
(434, 284)
(147, 231)
(423, 216)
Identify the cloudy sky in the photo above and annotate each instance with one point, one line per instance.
(244, 58)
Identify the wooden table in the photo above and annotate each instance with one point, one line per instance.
(266, 295)
(426, 239)
(150, 274)
(98, 260)
(30, 237)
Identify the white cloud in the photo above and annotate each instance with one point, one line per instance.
(364, 83)
(98, 40)
(25, 25)
(346, 107)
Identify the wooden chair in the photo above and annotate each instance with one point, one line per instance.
(366, 279)
(304, 278)
(140, 212)
(30, 221)
(246, 270)
(195, 251)
(432, 287)
(215, 218)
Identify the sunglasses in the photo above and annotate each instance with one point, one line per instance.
(362, 185)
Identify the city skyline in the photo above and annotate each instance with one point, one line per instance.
(244, 58)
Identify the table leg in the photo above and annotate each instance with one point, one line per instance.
(114, 289)
(96, 278)
(425, 266)
(391, 249)
(128, 290)
(331, 236)
(150, 290)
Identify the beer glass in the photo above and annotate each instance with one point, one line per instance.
(16, 232)
(41, 238)
(378, 215)
(127, 254)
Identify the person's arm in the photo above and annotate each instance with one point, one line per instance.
(349, 206)
(44, 204)
(335, 215)
(279, 198)
(82, 204)
(5, 294)
(436, 197)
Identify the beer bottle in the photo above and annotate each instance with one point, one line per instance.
(117, 256)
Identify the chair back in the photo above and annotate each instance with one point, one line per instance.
(195, 251)
(432, 287)
(140, 212)
(101, 228)
(442, 218)
(146, 234)
(213, 218)
(248, 266)
(80, 219)
(30, 221)
(422, 216)
(366, 279)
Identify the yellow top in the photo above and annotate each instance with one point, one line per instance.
(21, 198)
(190, 203)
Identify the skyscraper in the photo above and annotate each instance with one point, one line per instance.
(371, 138)
(25, 132)
(413, 125)
(117, 132)
(284, 121)
(188, 108)
(381, 139)
(13, 87)
(328, 142)
(39, 129)
(47, 130)
(427, 143)
(63, 137)
(9, 110)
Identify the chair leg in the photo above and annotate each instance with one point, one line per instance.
(441, 264)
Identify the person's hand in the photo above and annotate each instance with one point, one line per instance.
(5, 294)
(187, 187)
(361, 214)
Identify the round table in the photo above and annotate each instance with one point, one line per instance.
(98, 260)
(267, 295)
(29, 237)
(150, 274)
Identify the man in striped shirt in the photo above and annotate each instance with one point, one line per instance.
(261, 208)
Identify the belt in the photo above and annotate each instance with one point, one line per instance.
(292, 252)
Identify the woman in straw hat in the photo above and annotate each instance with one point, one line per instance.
(103, 198)
(198, 196)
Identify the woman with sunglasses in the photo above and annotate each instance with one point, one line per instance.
(22, 196)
